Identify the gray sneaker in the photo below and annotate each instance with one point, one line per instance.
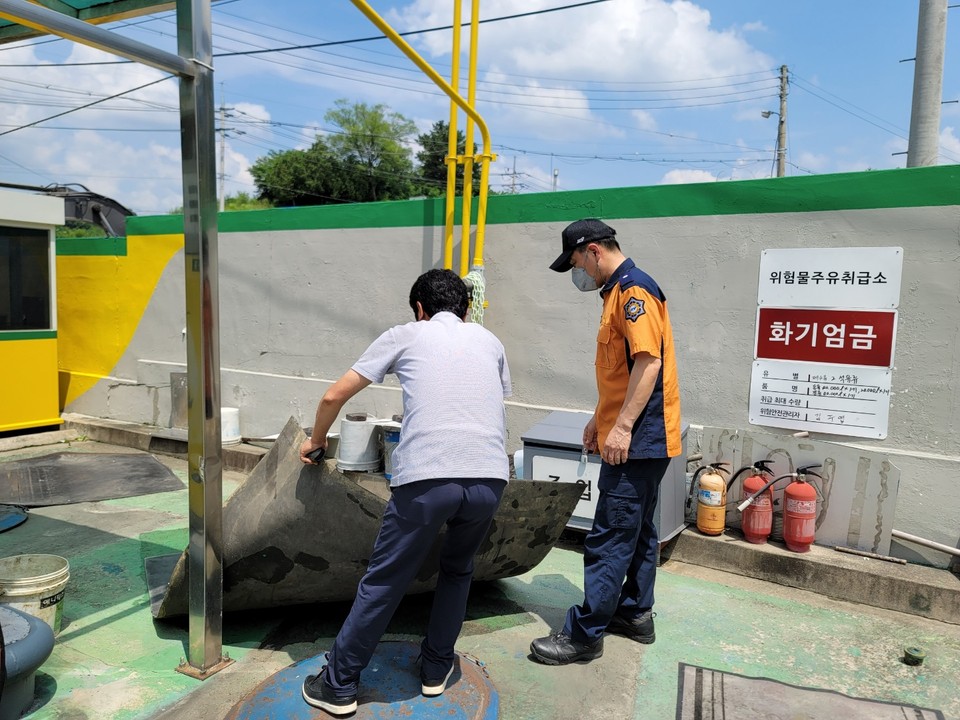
(317, 693)
(639, 629)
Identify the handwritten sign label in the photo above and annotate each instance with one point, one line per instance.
(842, 400)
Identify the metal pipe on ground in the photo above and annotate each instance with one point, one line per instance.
(926, 543)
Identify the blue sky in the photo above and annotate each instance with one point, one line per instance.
(615, 93)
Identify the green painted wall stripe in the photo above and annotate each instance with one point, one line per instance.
(28, 335)
(116, 246)
(914, 187)
(403, 213)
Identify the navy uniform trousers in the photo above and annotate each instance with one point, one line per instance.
(413, 517)
(620, 551)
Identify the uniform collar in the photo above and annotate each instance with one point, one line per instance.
(617, 276)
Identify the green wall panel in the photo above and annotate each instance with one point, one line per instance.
(914, 187)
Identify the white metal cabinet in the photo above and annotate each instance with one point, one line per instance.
(552, 449)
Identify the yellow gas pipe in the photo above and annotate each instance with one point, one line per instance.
(451, 158)
(486, 156)
(468, 148)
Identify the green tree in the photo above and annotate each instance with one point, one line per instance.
(432, 160)
(314, 176)
(240, 201)
(80, 229)
(367, 158)
(373, 143)
(245, 201)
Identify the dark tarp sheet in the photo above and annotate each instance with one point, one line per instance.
(72, 477)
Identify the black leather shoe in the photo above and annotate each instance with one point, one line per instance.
(560, 649)
(639, 629)
(316, 692)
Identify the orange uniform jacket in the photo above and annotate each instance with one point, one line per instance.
(635, 319)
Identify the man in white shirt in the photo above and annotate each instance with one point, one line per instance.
(449, 469)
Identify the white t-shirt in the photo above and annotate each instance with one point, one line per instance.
(454, 377)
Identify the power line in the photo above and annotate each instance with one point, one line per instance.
(100, 129)
(408, 33)
(95, 102)
(351, 41)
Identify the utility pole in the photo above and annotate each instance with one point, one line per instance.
(927, 84)
(223, 147)
(556, 173)
(782, 124)
(513, 177)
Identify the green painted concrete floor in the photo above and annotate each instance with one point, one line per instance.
(112, 661)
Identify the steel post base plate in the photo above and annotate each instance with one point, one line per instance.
(186, 668)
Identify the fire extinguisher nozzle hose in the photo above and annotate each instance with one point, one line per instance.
(742, 506)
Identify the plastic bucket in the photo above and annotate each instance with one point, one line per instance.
(360, 448)
(35, 584)
(229, 426)
(391, 437)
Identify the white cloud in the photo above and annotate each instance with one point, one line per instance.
(682, 177)
(625, 40)
(138, 166)
(252, 111)
(950, 143)
(556, 112)
(813, 161)
(596, 50)
(644, 119)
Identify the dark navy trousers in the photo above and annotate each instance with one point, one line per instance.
(414, 516)
(620, 551)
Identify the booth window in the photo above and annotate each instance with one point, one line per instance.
(24, 279)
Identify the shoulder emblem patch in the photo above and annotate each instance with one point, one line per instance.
(633, 309)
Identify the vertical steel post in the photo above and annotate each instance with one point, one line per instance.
(194, 43)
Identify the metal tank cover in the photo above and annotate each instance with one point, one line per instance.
(390, 688)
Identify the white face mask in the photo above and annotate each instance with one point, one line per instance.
(584, 282)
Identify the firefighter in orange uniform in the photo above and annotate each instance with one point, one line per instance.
(636, 430)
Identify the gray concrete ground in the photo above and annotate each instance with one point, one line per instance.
(112, 661)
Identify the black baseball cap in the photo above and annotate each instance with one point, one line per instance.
(580, 233)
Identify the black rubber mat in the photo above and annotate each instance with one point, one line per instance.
(71, 477)
(705, 693)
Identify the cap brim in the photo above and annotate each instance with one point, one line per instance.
(562, 263)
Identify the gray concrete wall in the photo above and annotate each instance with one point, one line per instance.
(298, 307)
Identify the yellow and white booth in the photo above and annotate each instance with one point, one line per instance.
(29, 385)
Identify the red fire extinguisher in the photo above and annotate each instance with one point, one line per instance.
(800, 511)
(757, 519)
